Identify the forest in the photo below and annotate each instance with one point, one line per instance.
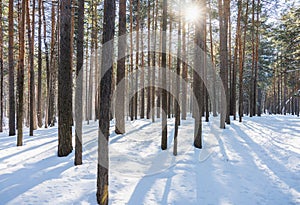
(104, 82)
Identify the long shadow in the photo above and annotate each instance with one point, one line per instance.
(118, 137)
(272, 138)
(23, 151)
(145, 184)
(24, 179)
(271, 165)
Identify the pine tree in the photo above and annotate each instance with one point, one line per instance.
(79, 84)
(120, 118)
(64, 82)
(12, 126)
(105, 100)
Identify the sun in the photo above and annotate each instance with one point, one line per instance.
(192, 13)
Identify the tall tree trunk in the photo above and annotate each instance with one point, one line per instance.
(256, 58)
(142, 83)
(79, 84)
(169, 68)
(154, 25)
(205, 72)
(224, 58)
(132, 95)
(39, 93)
(47, 63)
(252, 98)
(197, 82)
(149, 62)
(137, 59)
(227, 56)
(184, 73)
(177, 87)
(120, 121)
(64, 82)
(12, 126)
(214, 98)
(21, 75)
(235, 59)
(51, 91)
(105, 101)
(164, 78)
(31, 69)
(242, 50)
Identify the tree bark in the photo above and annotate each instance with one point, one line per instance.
(64, 82)
(79, 84)
(105, 100)
(164, 78)
(39, 93)
(12, 126)
(120, 96)
(21, 75)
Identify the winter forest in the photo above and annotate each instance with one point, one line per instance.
(149, 102)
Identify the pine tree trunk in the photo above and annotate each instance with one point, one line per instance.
(184, 73)
(120, 96)
(154, 25)
(39, 93)
(64, 82)
(164, 78)
(214, 98)
(52, 69)
(137, 59)
(12, 126)
(236, 57)
(105, 101)
(223, 59)
(47, 64)
(197, 82)
(79, 84)
(142, 83)
(132, 95)
(242, 51)
(149, 63)
(21, 76)
(169, 71)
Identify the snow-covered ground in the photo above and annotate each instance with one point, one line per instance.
(254, 162)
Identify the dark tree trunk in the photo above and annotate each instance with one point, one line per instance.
(79, 84)
(64, 82)
(149, 63)
(154, 25)
(120, 96)
(214, 97)
(47, 63)
(137, 59)
(169, 70)
(52, 70)
(32, 113)
(164, 79)
(223, 15)
(142, 83)
(131, 64)
(105, 100)
(39, 94)
(197, 82)
(21, 76)
(184, 74)
(242, 49)
(12, 122)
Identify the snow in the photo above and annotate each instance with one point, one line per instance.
(254, 162)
